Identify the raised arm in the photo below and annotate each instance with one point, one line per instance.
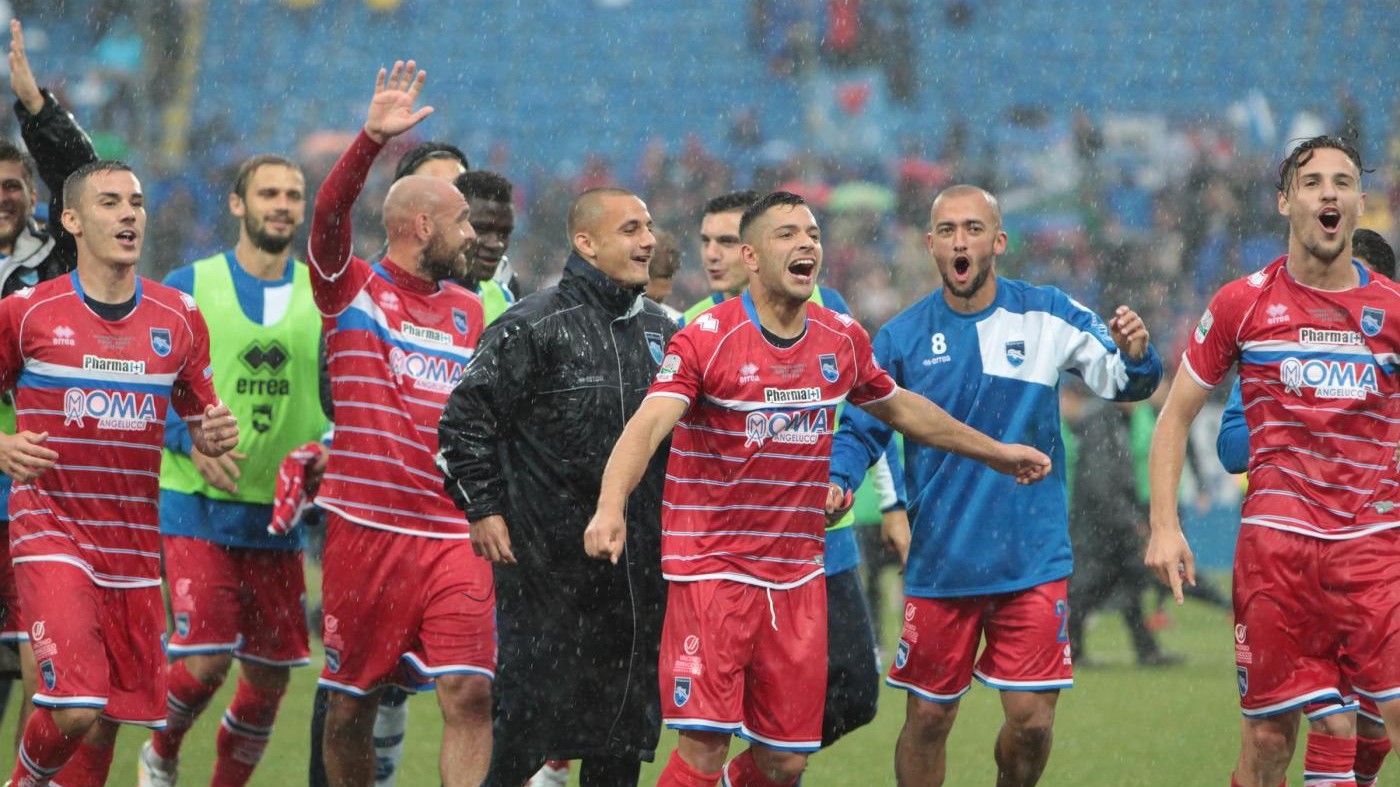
(652, 422)
(925, 422)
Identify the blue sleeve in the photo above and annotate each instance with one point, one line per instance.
(893, 455)
(1091, 354)
(177, 434)
(857, 445)
(832, 300)
(1232, 445)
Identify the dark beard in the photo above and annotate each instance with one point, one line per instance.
(973, 287)
(266, 242)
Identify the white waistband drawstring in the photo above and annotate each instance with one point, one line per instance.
(772, 613)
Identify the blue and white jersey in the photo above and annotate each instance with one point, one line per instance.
(976, 531)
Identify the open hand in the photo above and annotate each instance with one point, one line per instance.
(22, 79)
(391, 111)
(23, 456)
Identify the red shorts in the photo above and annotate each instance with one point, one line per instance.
(1027, 643)
(1314, 617)
(250, 602)
(95, 647)
(746, 660)
(12, 628)
(403, 609)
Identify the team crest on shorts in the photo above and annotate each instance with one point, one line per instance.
(901, 655)
(1371, 320)
(48, 673)
(830, 371)
(333, 660)
(1016, 353)
(160, 341)
(1242, 673)
(682, 693)
(459, 320)
(182, 624)
(656, 345)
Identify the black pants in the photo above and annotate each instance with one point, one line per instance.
(853, 673)
(1108, 567)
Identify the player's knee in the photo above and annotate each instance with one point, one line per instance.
(75, 722)
(464, 698)
(266, 677)
(349, 715)
(211, 669)
(1032, 723)
(783, 767)
(1338, 725)
(1268, 742)
(930, 720)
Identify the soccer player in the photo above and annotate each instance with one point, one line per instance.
(986, 558)
(745, 501)
(665, 262)
(492, 201)
(31, 255)
(236, 591)
(1314, 585)
(95, 358)
(405, 599)
(524, 439)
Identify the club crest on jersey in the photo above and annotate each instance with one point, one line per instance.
(49, 674)
(901, 655)
(1371, 320)
(160, 341)
(1016, 352)
(681, 694)
(182, 624)
(830, 371)
(459, 320)
(657, 345)
(1242, 674)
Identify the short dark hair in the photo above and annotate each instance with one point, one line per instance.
(1304, 152)
(766, 203)
(428, 151)
(73, 186)
(585, 206)
(255, 163)
(9, 151)
(734, 200)
(485, 184)
(1371, 247)
(666, 257)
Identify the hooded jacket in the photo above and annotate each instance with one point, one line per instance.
(525, 435)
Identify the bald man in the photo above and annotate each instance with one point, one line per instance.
(407, 602)
(524, 440)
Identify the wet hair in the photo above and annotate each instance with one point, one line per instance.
(11, 152)
(586, 207)
(255, 163)
(1371, 247)
(734, 200)
(1304, 152)
(765, 204)
(429, 151)
(75, 183)
(484, 184)
(666, 257)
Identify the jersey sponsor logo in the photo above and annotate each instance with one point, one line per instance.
(901, 655)
(845, 319)
(1241, 630)
(792, 395)
(681, 694)
(24, 293)
(831, 372)
(708, 323)
(160, 341)
(259, 357)
(120, 410)
(1277, 313)
(909, 611)
(37, 631)
(63, 336)
(804, 427)
(459, 320)
(748, 373)
(1016, 352)
(1383, 506)
(94, 363)
(429, 335)
(1203, 327)
(669, 366)
(657, 345)
(1329, 379)
(437, 375)
(1371, 320)
(388, 301)
(1321, 336)
(49, 674)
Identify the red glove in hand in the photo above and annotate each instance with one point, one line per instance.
(294, 488)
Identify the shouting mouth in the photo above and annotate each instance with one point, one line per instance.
(803, 269)
(1330, 218)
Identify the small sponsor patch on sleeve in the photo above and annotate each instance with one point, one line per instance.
(1203, 327)
(669, 366)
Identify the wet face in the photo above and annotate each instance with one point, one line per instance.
(494, 222)
(446, 168)
(449, 247)
(1323, 204)
(783, 251)
(16, 203)
(720, 252)
(273, 207)
(620, 242)
(109, 220)
(965, 239)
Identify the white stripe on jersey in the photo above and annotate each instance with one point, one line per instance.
(105, 580)
(744, 507)
(389, 460)
(1315, 482)
(74, 372)
(365, 304)
(384, 435)
(741, 406)
(742, 459)
(88, 522)
(753, 533)
(744, 578)
(339, 508)
(109, 443)
(1281, 346)
(1278, 522)
(382, 485)
(738, 481)
(1310, 502)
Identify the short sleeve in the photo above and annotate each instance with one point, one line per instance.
(873, 383)
(1214, 344)
(681, 371)
(194, 385)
